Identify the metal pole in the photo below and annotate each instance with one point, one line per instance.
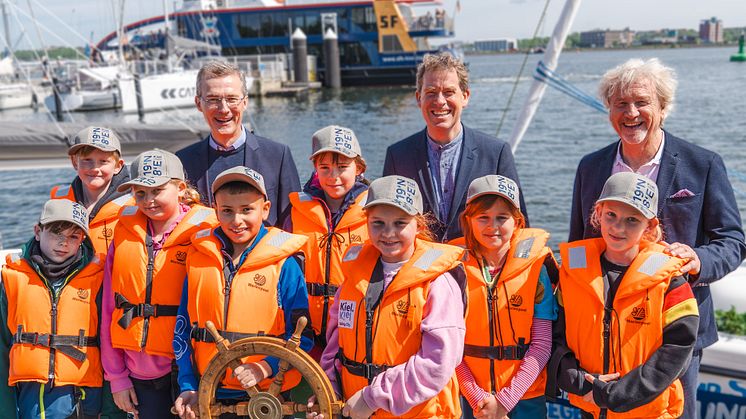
(300, 56)
(57, 99)
(332, 72)
(138, 96)
(6, 26)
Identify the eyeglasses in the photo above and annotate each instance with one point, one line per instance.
(214, 102)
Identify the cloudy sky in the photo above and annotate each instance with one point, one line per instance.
(72, 22)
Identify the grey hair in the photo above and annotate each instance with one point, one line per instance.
(623, 76)
(215, 69)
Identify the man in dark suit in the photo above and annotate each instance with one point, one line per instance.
(446, 156)
(696, 204)
(222, 97)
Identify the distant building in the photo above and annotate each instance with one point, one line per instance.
(496, 45)
(607, 38)
(711, 31)
(664, 36)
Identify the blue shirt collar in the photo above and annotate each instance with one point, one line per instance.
(236, 145)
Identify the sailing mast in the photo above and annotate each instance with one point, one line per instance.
(551, 56)
(6, 26)
(167, 38)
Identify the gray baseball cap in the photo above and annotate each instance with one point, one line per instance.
(632, 189)
(494, 185)
(397, 191)
(240, 174)
(154, 168)
(102, 138)
(335, 139)
(64, 210)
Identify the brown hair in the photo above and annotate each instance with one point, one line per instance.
(237, 187)
(86, 150)
(425, 222)
(359, 161)
(481, 204)
(653, 235)
(443, 61)
(58, 227)
(215, 69)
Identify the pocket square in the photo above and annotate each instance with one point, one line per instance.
(682, 193)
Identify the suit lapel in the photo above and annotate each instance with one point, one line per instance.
(423, 177)
(667, 170)
(463, 174)
(250, 151)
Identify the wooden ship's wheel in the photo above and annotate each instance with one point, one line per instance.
(267, 404)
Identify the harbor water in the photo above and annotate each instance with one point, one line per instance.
(710, 110)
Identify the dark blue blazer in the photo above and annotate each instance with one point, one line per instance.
(270, 158)
(708, 221)
(481, 155)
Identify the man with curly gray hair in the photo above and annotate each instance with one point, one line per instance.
(696, 206)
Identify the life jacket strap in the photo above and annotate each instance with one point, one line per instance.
(321, 290)
(64, 343)
(141, 310)
(500, 353)
(201, 334)
(361, 369)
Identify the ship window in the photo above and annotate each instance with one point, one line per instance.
(353, 53)
(248, 25)
(280, 24)
(363, 19)
(313, 23)
(391, 43)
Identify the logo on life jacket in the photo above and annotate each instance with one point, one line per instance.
(516, 300)
(355, 238)
(402, 307)
(260, 279)
(107, 232)
(181, 256)
(83, 294)
(639, 313)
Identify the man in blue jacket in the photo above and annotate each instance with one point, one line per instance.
(222, 97)
(446, 156)
(696, 204)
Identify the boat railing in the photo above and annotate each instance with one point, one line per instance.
(430, 21)
(267, 67)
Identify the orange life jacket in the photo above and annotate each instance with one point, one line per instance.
(251, 308)
(395, 334)
(147, 294)
(101, 227)
(635, 327)
(324, 250)
(498, 321)
(59, 341)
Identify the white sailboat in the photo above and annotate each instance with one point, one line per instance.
(95, 89)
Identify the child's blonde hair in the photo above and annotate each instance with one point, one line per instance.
(651, 234)
(191, 196)
(86, 150)
(482, 204)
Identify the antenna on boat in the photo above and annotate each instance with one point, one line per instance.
(169, 62)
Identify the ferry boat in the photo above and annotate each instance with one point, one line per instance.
(380, 41)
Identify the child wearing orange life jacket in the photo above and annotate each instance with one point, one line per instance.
(246, 279)
(396, 327)
(511, 305)
(329, 212)
(96, 157)
(629, 316)
(49, 313)
(144, 273)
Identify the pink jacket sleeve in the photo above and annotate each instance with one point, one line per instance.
(328, 357)
(425, 374)
(113, 360)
